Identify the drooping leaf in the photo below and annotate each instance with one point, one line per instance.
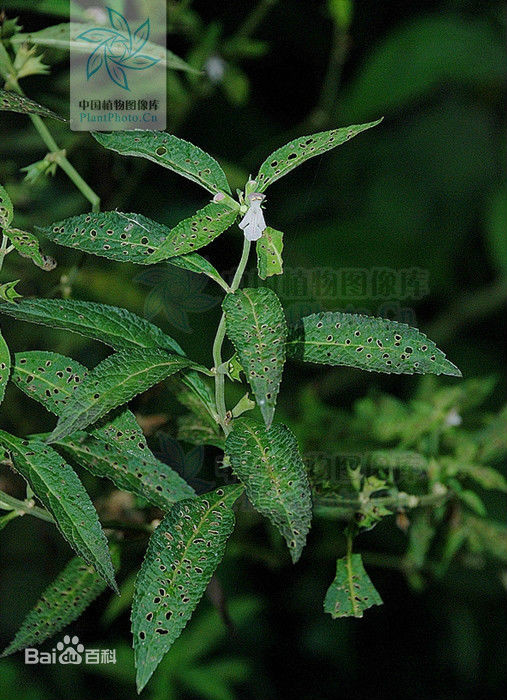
(255, 323)
(269, 253)
(58, 488)
(171, 152)
(12, 102)
(27, 246)
(63, 601)
(6, 209)
(195, 232)
(365, 342)
(112, 325)
(182, 555)
(116, 450)
(270, 467)
(114, 381)
(352, 591)
(193, 262)
(288, 157)
(5, 366)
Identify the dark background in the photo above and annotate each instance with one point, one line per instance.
(424, 189)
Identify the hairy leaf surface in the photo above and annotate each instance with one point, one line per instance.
(365, 342)
(182, 555)
(171, 152)
(12, 102)
(288, 157)
(269, 253)
(63, 601)
(27, 246)
(255, 323)
(270, 467)
(6, 209)
(58, 488)
(352, 591)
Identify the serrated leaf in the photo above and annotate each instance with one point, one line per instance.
(365, 342)
(58, 488)
(6, 209)
(270, 467)
(112, 325)
(269, 253)
(114, 381)
(195, 232)
(255, 323)
(171, 152)
(12, 102)
(5, 366)
(182, 555)
(27, 246)
(116, 450)
(288, 157)
(63, 601)
(352, 591)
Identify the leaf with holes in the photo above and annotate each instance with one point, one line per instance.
(352, 591)
(6, 209)
(5, 366)
(288, 157)
(12, 102)
(255, 323)
(58, 488)
(270, 467)
(365, 342)
(110, 234)
(27, 246)
(269, 253)
(63, 601)
(171, 152)
(114, 381)
(182, 555)
(115, 450)
(112, 325)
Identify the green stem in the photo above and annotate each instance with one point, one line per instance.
(3, 250)
(26, 507)
(401, 500)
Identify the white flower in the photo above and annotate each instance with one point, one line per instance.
(253, 223)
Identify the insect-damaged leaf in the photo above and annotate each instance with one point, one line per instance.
(255, 323)
(58, 488)
(5, 366)
(63, 601)
(116, 450)
(271, 469)
(12, 102)
(365, 342)
(6, 209)
(182, 555)
(288, 157)
(269, 253)
(27, 246)
(352, 591)
(171, 152)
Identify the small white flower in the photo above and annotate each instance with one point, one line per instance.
(453, 418)
(253, 223)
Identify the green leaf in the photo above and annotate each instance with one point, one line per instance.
(65, 36)
(5, 366)
(255, 323)
(171, 152)
(193, 262)
(27, 246)
(12, 102)
(269, 253)
(58, 488)
(288, 157)
(8, 293)
(352, 591)
(63, 601)
(114, 381)
(182, 555)
(112, 325)
(485, 476)
(116, 450)
(6, 209)
(271, 469)
(195, 232)
(365, 342)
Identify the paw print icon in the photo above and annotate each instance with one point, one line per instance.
(70, 650)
